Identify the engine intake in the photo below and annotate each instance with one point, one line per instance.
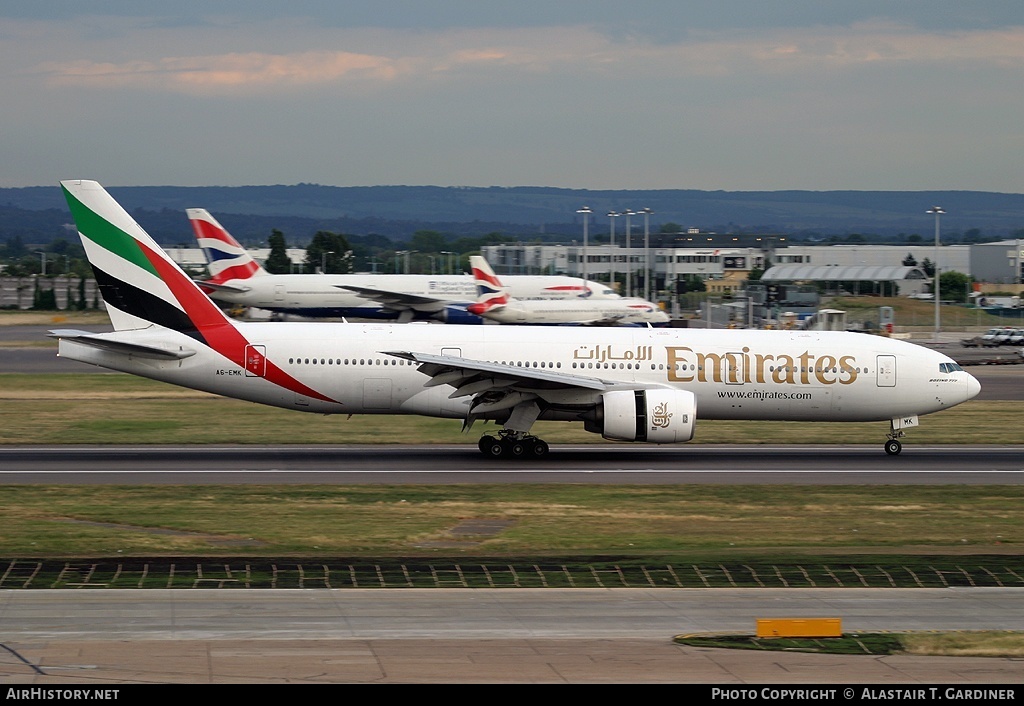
(658, 416)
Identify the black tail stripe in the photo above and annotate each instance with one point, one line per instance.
(138, 302)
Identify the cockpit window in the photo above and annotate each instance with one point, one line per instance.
(949, 367)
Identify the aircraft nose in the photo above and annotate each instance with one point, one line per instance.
(973, 386)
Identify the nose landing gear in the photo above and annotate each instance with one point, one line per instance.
(896, 427)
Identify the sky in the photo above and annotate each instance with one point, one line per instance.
(734, 95)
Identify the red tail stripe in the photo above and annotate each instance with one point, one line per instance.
(215, 328)
(244, 271)
(489, 278)
(205, 229)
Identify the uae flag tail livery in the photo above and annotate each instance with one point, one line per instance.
(157, 311)
(625, 384)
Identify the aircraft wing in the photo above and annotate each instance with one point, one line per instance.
(397, 300)
(470, 376)
(612, 320)
(500, 387)
(111, 342)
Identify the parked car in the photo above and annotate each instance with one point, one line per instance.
(996, 336)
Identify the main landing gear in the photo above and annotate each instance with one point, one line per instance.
(509, 444)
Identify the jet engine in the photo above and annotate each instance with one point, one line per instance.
(456, 315)
(658, 416)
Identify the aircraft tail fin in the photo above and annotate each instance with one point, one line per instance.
(226, 258)
(490, 291)
(139, 283)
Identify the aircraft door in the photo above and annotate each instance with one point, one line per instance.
(255, 361)
(454, 352)
(886, 371)
(377, 393)
(278, 292)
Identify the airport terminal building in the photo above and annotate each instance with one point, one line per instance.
(723, 262)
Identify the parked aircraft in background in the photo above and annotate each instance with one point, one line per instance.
(627, 384)
(236, 278)
(495, 303)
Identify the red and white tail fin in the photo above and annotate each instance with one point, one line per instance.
(226, 258)
(490, 292)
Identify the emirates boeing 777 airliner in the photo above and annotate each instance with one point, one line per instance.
(645, 385)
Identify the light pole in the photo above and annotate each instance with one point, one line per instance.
(937, 211)
(612, 215)
(647, 245)
(323, 260)
(42, 257)
(629, 260)
(586, 211)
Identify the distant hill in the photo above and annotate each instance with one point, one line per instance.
(37, 214)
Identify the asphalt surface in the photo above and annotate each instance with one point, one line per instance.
(443, 464)
(494, 636)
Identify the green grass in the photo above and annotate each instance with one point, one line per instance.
(741, 522)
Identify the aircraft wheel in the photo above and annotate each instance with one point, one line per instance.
(514, 448)
(893, 447)
(485, 443)
(493, 448)
(539, 448)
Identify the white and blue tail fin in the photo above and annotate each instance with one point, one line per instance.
(490, 292)
(225, 257)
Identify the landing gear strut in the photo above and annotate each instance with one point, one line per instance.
(509, 444)
(896, 431)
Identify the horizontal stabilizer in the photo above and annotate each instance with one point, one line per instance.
(109, 342)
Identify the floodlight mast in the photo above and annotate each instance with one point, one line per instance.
(937, 211)
(586, 211)
(612, 215)
(647, 249)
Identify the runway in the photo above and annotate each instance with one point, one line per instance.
(443, 464)
(477, 636)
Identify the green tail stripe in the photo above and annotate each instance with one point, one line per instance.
(107, 235)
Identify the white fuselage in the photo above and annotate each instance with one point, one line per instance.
(323, 295)
(738, 374)
(545, 312)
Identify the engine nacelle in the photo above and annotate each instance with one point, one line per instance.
(456, 315)
(658, 416)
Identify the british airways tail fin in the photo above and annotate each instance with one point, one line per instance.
(490, 292)
(139, 283)
(225, 257)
